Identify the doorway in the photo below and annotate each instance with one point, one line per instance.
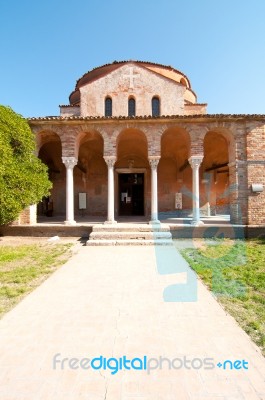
(131, 194)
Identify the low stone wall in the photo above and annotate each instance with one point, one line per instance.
(228, 231)
(208, 231)
(46, 231)
(255, 232)
(177, 231)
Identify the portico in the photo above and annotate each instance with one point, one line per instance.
(163, 163)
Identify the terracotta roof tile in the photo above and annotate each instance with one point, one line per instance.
(68, 105)
(149, 117)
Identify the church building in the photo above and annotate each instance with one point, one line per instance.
(134, 143)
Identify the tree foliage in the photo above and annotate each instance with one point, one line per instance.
(23, 177)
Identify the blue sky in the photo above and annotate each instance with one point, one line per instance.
(47, 45)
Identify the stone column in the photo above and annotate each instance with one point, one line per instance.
(69, 163)
(195, 162)
(154, 201)
(110, 161)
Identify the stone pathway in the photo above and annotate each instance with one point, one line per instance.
(110, 302)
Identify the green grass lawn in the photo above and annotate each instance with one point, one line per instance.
(235, 272)
(24, 267)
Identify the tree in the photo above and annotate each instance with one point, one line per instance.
(23, 177)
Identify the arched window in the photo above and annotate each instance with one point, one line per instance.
(183, 82)
(155, 107)
(131, 107)
(108, 107)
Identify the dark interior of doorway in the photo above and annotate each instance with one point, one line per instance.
(131, 194)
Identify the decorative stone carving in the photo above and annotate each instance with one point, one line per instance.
(69, 162)
(154, 162)
(195, 161)
(110, 161)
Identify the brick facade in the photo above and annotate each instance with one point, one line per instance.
(232, 147)
(255, 146)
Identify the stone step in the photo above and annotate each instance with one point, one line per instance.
(139, 235)
(131, 228)
(130, 242)
(130, 235)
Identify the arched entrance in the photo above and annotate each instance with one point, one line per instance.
(174, 173)
(132, 175)
(50, 153)
(214, 191)
(90, 176)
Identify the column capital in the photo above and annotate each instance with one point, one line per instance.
(69, 162)
(153, 161)
(195, 161)
(110, 161)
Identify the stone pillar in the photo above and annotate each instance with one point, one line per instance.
(154, 198)
(110, 161)
(69, 163)
(195, 162)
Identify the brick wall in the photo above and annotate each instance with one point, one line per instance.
(195, 109)
(256, 172)
(27, 217)
(146, 84)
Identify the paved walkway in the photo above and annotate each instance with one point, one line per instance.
(110, 302)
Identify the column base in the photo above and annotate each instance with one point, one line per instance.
(154, 222)
(70, 222)
(197, 223)
(110, 222)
